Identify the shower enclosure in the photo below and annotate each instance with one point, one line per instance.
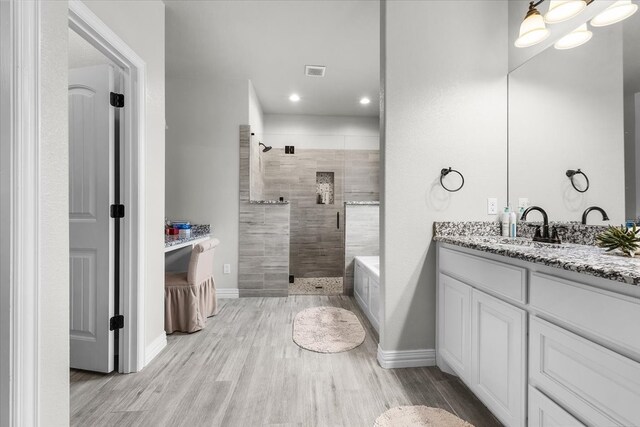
(317, 174)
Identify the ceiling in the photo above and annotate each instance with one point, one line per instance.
(270, 41)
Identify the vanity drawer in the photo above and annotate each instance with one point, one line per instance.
(600, 313)
(502, 279)
(544, 412)
(600, 387)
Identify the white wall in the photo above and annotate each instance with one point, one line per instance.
(322, 132)
(566, 112)
(53, 352)
(203, 160)
(445, 93)
(141, 25)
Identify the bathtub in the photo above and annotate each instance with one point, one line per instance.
(366, 287)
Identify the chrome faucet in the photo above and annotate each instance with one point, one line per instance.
(605, 217)
(544, 236)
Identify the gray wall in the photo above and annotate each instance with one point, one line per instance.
(362, 230)
(444, 86)
(202, 178)
(263, 267)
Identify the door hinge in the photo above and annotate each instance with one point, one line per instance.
(116, 100)
(116, 322)
(117, 211)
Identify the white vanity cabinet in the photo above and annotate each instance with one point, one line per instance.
(481, 337)
(539, 346)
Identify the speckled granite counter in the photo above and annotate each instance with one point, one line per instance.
(583, 259)
(198, 232)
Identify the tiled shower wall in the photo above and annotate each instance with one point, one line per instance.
(317, 245)
(263, 264)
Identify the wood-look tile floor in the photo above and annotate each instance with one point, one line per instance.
(243, 369)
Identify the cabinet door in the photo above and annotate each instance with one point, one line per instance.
(454, 325)
(361, 287)
(374, 303)
(543, 412)
(498, 357)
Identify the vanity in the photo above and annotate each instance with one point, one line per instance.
(543, 335)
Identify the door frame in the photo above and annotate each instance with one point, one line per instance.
(131, 341)
(20, 276)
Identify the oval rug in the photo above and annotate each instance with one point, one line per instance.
(419, 416)
(327, 330)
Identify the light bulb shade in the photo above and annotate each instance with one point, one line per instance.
(617, 12)
(532, 30)
(576, 38)
(562, 10)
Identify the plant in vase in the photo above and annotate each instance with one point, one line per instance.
(620, 238)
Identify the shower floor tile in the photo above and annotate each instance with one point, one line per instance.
(316, 286)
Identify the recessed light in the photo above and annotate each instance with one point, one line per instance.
(365, 101)
(294, 97)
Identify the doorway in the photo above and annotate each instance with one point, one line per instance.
(94, 195)
(120, 306)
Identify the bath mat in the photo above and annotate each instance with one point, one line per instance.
(327, 330)
(419, 416)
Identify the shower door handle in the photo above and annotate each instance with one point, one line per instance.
(338, 220)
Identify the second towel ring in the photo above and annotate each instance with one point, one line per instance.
(572, 173)
(446, 171)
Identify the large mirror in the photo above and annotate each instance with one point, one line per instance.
(578, 110)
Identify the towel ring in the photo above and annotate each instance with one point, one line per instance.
(446, 171)
(572, 173)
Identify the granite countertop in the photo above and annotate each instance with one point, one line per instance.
(197, 232)
(364, 203)
(269, 202)
(583, 259)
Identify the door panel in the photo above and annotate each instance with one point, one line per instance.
(454, 340)
(498, 357)
(91, 263)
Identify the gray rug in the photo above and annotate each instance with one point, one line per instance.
(419, 416)
(327, 330)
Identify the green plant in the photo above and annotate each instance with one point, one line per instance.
(621, 238)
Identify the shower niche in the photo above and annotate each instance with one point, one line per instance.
(325, 188)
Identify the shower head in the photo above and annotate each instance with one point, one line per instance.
(265, 149)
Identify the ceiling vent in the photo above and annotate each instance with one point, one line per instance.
(314, 70)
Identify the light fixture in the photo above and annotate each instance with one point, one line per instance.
(365, 101)
(575, 38)
(618, 11)
(294, 97)
(532, 29)
(563, 10)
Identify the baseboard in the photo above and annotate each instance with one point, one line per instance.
(155, 348)
(406, 358)
(227, 293)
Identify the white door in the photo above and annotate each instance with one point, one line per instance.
(454, 325)
(498, 357)
(91, 229)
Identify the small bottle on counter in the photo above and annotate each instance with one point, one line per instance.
(505, 222)
(513, 224)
